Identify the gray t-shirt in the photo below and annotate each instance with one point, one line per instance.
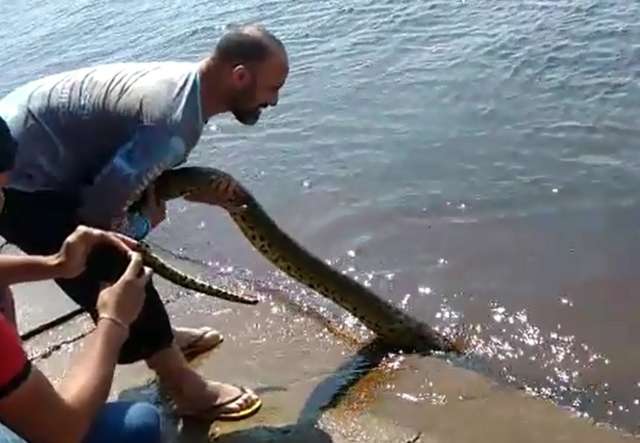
(104, 132)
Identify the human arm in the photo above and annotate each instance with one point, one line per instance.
(151, 150)
(26, 268)
(68, 262)
(37, 411)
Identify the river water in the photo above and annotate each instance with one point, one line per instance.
(474, 161)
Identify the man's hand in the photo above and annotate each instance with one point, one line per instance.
(154, 209)
(71, 260)
(39, 412)
(227, 193)
(123, 300)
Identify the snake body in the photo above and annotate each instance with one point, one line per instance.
(212, 186)
(108, 254)
(180, 278)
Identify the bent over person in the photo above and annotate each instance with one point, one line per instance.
(92, 140)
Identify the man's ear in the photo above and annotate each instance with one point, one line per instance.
(241, 76)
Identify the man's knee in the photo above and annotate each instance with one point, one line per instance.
(143, 424)
(127, 422)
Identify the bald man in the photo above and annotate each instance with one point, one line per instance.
(90, 139)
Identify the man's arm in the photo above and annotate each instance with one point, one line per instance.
(137, 163)
(69, 262)
(39, 413)
(28, 268)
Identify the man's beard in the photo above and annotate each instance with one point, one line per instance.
(241, 111)
(247, 117)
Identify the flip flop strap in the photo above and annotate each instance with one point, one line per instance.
(243, 392)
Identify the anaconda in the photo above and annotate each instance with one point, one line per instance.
(212, 186)
(110, 254)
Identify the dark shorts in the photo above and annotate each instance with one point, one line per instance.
(38, 223)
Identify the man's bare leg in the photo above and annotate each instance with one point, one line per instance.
(190, 392)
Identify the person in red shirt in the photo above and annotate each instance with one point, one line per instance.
(31, 409)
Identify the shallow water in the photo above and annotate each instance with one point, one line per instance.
(477, 158)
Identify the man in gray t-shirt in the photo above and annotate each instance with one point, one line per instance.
(101, 132)
(90, 141)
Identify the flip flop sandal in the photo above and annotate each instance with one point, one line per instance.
(208, 339)
(247, 412)
(211, 414)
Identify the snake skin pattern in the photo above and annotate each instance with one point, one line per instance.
(184, 280)
(212, 186)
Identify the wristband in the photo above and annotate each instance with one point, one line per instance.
(140, 226)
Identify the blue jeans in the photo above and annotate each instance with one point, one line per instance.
(117, 422)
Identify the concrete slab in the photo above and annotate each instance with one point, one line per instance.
(39, 302)
(298, 367)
